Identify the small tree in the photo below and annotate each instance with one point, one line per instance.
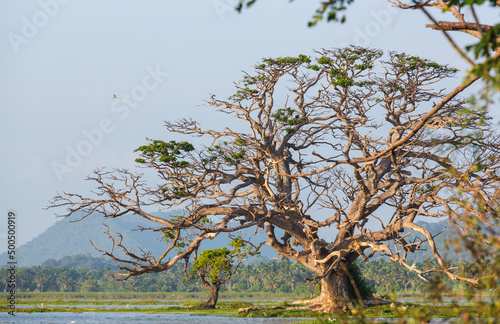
(334, 158)
(215, 267)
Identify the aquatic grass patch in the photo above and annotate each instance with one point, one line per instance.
(267, 308)
(280, 312)
(78, 302)
(420, 313)
(221, 304)
(49, 295)
(64, 309)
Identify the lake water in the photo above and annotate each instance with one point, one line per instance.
(48, 305)
(143, 318)
(136, 318)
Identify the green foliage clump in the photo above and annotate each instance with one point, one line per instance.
(215, 264)
(341, 78)
(287, 116)
(247, 88)
(168, 236)
(245, 93)
(174, 193)
(362, 285)
(407, 63)
(324, 60)
(218, 264)
(224, 153)
(288, 60)
(355, 61)
(165, 152)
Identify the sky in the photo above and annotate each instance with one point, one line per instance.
(63, 62)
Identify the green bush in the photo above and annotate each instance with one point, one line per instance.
(361, 283)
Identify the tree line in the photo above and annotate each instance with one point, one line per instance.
(273, 276)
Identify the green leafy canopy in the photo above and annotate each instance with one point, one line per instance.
(164, 152)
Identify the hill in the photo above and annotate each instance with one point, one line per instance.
(66, 239)
(443, 233)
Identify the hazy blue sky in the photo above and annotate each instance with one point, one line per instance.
(62, 62)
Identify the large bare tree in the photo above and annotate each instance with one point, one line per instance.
(312, 160)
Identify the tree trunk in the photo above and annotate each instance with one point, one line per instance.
(214, 296)
(334, 296)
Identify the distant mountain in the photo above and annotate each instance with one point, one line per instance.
(447, 241)
(86, 261)
(67, 239)
(444, 233)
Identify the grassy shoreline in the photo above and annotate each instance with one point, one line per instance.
(142, 297)
(227, 306)
(151, 295)
(421, 313)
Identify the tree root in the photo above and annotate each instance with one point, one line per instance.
(205, 305)
(308, 301)
(317, 305)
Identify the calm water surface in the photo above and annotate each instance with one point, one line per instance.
(136, 318)
(48, 305)
(141, 318)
